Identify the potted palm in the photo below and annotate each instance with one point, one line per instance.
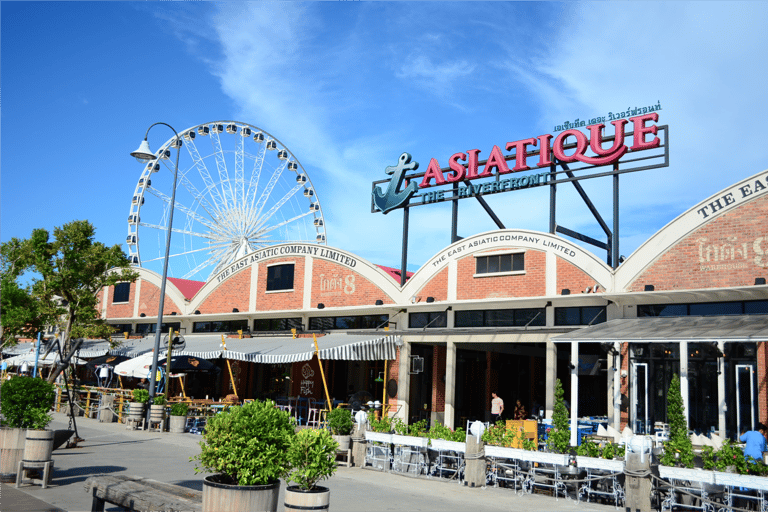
(340, 422)
(246, 449)
(178, 421)
(25, 403)
(312, 457)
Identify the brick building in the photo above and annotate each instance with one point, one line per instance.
(507, 310)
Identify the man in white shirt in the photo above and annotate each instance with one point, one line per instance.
(497, 407)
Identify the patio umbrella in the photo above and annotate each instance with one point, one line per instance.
(189, 364)
(105, 359)
(138, 367)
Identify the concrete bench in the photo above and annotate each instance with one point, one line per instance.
(141, 494)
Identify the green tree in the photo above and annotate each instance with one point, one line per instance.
(65, 275)
(679, 441)
(560, 438)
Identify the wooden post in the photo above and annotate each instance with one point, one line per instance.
(88, 404)
(181, 381)
(231, 378)
(168, 365)
(322, 373)
(384, 391)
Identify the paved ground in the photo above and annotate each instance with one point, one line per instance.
(111, 449)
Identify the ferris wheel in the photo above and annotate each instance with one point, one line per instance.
(239, 190)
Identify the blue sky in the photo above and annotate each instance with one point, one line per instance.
(348, 86)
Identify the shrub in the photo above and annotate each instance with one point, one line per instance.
(140, 395)
(312, 457)
(588, 448)
(25, 402)
(340, 422)
(560, 437)
(159, 399)
(179, 409)
(383, 425)
(248, 444)
(679, 442)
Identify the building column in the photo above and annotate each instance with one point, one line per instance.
(684, 379)
(574, 392)
(404, 381)
(722, 408)
(549, 379)
(617, 386)
(450, 384)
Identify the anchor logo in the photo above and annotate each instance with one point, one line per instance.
(392, 199)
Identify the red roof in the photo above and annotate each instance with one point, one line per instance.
(187, 287)
(395, 273)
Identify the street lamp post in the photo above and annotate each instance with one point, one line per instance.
(144, 154)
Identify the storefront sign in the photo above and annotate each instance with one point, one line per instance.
(569, 146)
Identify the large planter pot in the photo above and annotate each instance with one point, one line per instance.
(177, 424)
(612, 465)
(12, 442)
(691, 475)
(737, 480)
(157, 415)
(343, 442)
(298, 499)
(503, 452)
(38, 446)
(221, 497)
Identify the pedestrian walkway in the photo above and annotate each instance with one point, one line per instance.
(111, 449)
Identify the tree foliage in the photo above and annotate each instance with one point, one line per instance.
(25, 402)
(560, 437)
(679, 448)
(64, 276)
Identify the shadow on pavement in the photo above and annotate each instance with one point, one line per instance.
(74, 475)
(196, 485)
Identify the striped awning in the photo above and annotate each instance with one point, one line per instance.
(279, 349)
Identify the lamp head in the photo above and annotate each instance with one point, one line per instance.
(143, 154)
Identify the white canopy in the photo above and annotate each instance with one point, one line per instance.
(29, 358)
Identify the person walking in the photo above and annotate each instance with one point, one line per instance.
(497, 407)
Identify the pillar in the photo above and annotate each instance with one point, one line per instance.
(684, 379)
(722, 408)
(404, 381)
(617, 386)
(574, 392)
(549, 380)
(450, 384)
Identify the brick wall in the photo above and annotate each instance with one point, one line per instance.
(530, 284)
(572, 277)
(394, 373)
(336, 285)
(438, 373)
(122, 309)
(730, 250)
(284, 299)
(232, 293)
(436, 287)
(149, 301)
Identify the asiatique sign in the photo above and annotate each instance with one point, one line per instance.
(464, 167)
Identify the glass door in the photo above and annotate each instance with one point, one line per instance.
(746, 415)
(639, 386)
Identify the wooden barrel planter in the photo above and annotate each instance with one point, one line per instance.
(343, 442)
(157, 415)
(297, 498)
(12, 442)
(177, 424)
(222, 497)
(135, 411)
(38, 446)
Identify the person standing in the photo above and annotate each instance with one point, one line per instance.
(497, 407)
(519, 412)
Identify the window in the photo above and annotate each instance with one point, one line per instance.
(220, 326)
(121, 328)
(586, 315)
(752, 307)
(277, 324)
(149, 328)
(327, 323)
(122, 292)
(429, 319)
(280, 277)
(500, 263)
(501, 318)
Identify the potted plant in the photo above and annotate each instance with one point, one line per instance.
(178, 421)
(560, 437)
(246, 449)
(136, 408)
(312, 457)
(678, 451)
(340, 422)
(157, 411)
(25, 403)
